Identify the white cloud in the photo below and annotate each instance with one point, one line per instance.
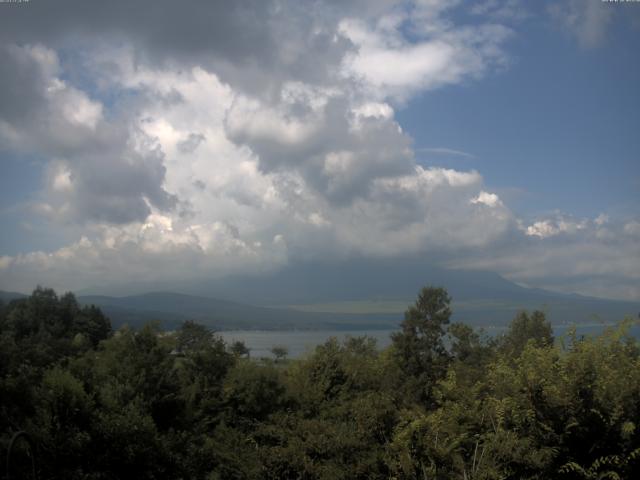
(488, 199)
(551, 227)
(391, 66)
(61, 180)
(373, 110)
(157, 249)
(250, 120)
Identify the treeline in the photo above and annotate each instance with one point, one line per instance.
(442, 402)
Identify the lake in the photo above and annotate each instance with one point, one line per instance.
(300, 342)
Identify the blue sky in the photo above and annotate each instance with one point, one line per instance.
(203, 141)
(559, 124)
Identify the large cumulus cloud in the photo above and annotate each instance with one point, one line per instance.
(203, 138)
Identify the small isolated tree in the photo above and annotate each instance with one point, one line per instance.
(419, 346)
(280, 352)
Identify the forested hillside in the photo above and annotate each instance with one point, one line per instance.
(443, 402)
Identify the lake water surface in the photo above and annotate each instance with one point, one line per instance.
(300, 342)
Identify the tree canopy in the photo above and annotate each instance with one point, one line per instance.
(444, 401)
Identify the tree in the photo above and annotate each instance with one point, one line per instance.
(252, 391)
(92, 323)
(280, 352)
(419, 346)
(239, 349)
(525, 328)
(470, 352)
(193, 336)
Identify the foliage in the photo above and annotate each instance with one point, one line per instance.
(280, 352)
(443, 402)
(419, 348)
(526, 328)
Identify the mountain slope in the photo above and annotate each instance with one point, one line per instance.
(171, 309)
(479, 297)
(360, 293)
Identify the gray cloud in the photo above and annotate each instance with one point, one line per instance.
(254, 44)
(189, 144)
(599, 257)
(107, 170)
(21, 86)
(120, 187)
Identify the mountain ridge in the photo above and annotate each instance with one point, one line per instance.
(354, 294)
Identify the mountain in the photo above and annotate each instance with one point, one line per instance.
(313, 282)
(357, 292)
(384, 279)
(171, 309)
(6, 297)
(350, 294)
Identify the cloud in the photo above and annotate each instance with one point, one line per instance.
(258, 195)
(39, 111)
(407, 215)
(488, 199)
(189, 144)
(391, 66)
(587, 256)
(155, 249)
(202, 139)
(254, 44)
(559, 225)
(587, 20)
(102, 169)
(338, 149)
(632, 229)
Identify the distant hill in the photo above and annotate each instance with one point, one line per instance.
(171, 309)
(389, 285)
(347, 295)
(6, 297)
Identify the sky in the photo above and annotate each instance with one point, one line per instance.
(198, 139)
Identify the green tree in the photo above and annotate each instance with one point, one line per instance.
(279, 352)
(193, 337)
(239, 349)
(92, 324)
(252, 391)
(471, 352)
(524, 328)
(419, 346)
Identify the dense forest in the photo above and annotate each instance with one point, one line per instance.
(442, 402)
